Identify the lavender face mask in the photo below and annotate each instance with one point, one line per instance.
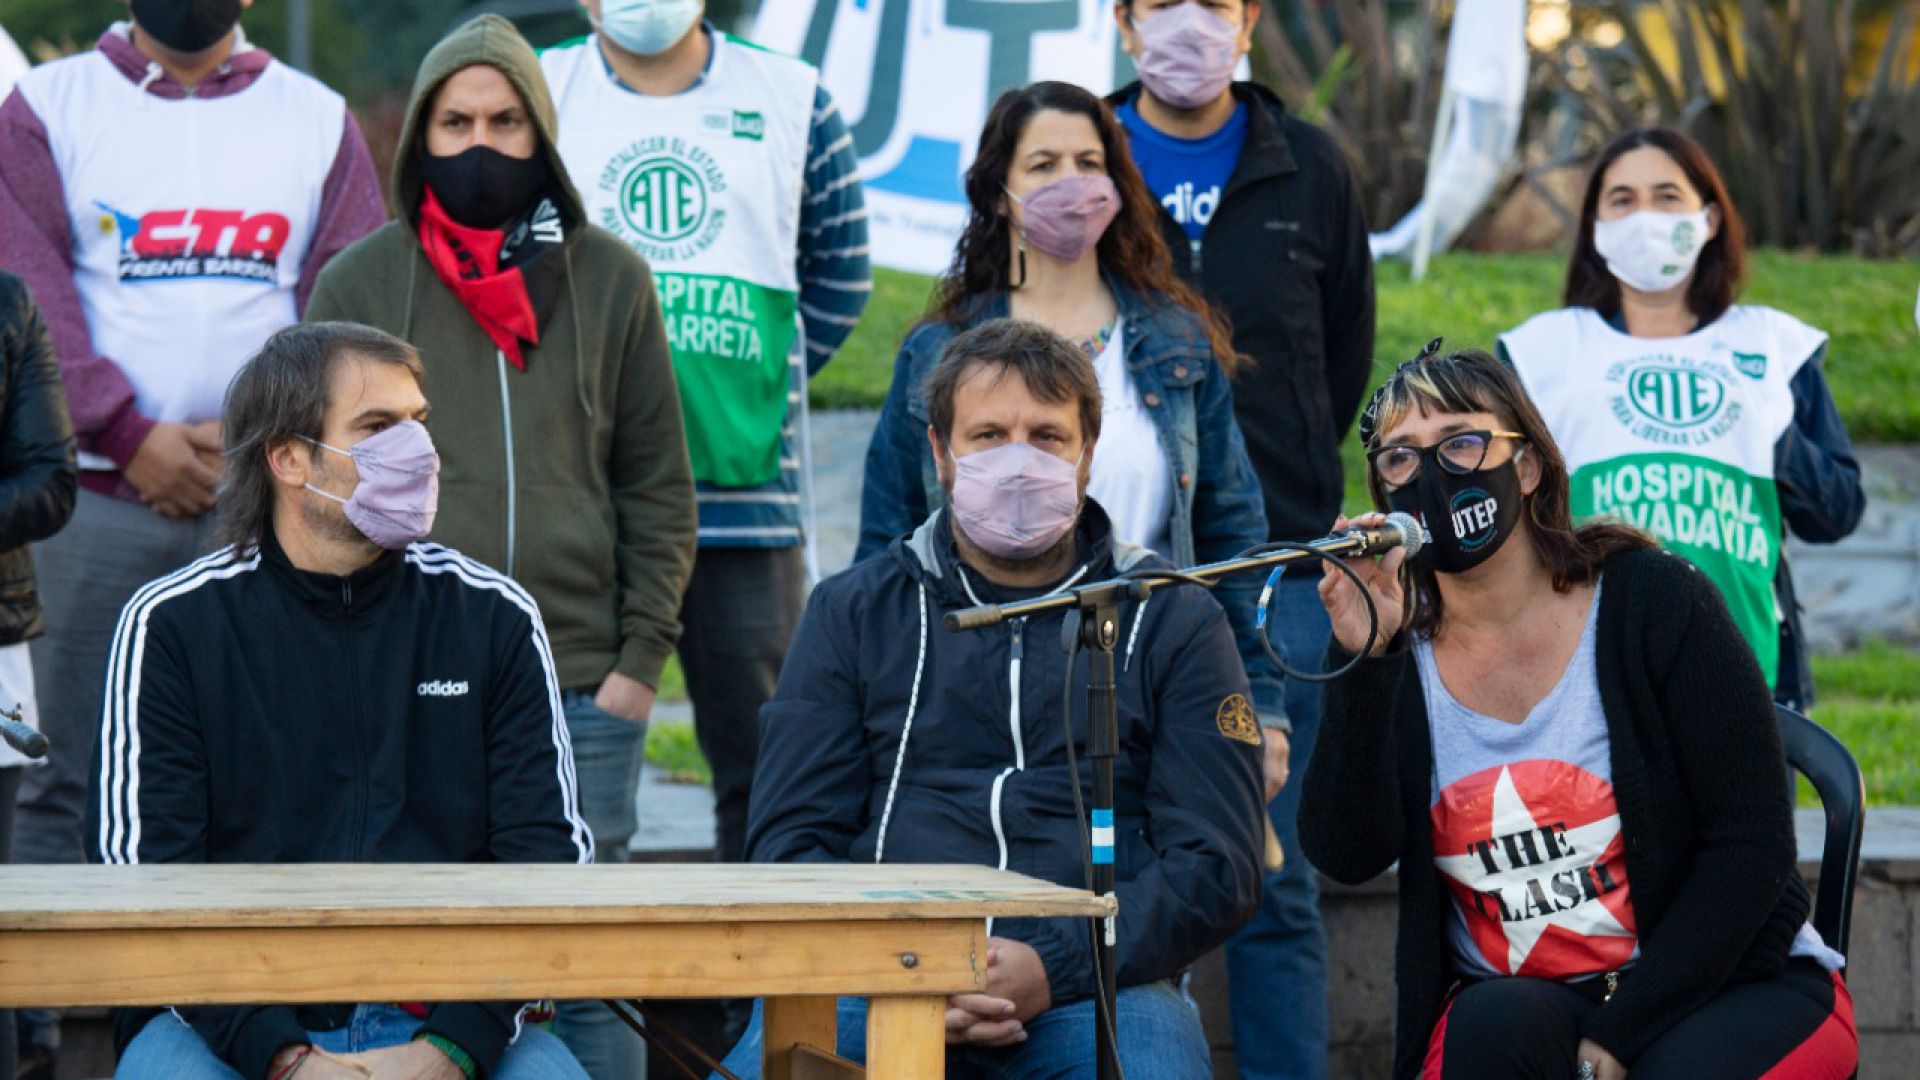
(1187, 54)
(399, 490)
(1015, 501)
(1066, 218)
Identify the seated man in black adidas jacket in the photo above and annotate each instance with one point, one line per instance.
(325, 689)
(891, 739)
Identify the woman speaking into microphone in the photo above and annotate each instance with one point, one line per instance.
(1564, 741)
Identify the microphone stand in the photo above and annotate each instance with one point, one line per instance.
(1098, 604)
(1099, 607)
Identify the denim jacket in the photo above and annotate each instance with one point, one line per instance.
(1217, 508)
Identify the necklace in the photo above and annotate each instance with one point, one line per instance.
(1096, 343)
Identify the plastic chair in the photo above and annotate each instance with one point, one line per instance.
(1825, 761)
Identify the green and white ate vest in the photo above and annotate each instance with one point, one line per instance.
(1676, 436)
(706, 185)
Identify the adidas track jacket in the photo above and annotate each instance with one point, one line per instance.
(258, 713)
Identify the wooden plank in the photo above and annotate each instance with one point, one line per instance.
(444, 963)
(149, 896)
(906, 1038)
(811, 1064)
(792, 1024)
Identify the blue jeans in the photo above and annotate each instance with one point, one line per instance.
(1277, 963)
(607, 751)
(167, 1049)
(1158, 1029)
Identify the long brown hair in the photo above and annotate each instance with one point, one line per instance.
(1722, 268)
(1471, 381)
(1132, 249)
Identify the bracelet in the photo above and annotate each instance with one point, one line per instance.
(460, 1058)
(299, 1058)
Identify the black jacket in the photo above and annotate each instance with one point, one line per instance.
(37, 474)
(1698, 775)
(1285, 256)
(1822, 499)
(984, 777)
(259, 713)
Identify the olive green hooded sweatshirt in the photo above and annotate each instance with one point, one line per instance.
(571, 476)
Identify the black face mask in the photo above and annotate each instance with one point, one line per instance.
(1467, 518)
(186, 26)
(482, 188)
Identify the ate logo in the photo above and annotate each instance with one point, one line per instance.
(664, 199)
(1675, 396)
(1533, 856)
(199, 243)
(666, 196)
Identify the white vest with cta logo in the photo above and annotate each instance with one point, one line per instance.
(706, 185)
(1676, 436)
(190, 218)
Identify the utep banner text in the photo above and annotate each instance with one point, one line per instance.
(914, 80)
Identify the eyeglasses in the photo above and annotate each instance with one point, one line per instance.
(1460, 453)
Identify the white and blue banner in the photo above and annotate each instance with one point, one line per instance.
(915, 78)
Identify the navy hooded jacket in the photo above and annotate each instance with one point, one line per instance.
(983, 778)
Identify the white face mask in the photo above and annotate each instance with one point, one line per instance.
(648, 27)
(1649, 250)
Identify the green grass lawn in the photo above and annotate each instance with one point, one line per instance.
(1873, 364)
(671, 748)
(1469, 299)
(1869, 698)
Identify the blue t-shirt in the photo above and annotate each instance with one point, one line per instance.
(1186, 175)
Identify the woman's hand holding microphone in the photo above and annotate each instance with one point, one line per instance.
(1347, 608)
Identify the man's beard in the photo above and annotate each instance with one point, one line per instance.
(1061, 551)
(326, 519)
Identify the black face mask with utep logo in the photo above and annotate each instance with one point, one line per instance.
(1467, 517)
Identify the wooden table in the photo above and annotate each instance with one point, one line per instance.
(905, 936)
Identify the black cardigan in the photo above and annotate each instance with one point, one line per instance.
(1697, 773)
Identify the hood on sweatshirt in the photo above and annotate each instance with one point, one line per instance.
(493, 41)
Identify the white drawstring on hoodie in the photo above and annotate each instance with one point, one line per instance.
(906, 732)
(913, 702)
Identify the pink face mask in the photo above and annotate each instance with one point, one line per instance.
(1066, 218)
(1187, 55)
(399, 490)
(1015, 501)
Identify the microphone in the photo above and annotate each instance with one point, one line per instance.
(1399, 530)
(19, 736)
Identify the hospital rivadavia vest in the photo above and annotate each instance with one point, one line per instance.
(190, 219)
(1676, 436)
(706, 185)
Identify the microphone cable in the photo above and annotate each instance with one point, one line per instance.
(1261, 632)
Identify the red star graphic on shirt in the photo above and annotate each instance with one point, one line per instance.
(1533, 855)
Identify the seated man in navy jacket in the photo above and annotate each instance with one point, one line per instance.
(326, 689)
(891, 739)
